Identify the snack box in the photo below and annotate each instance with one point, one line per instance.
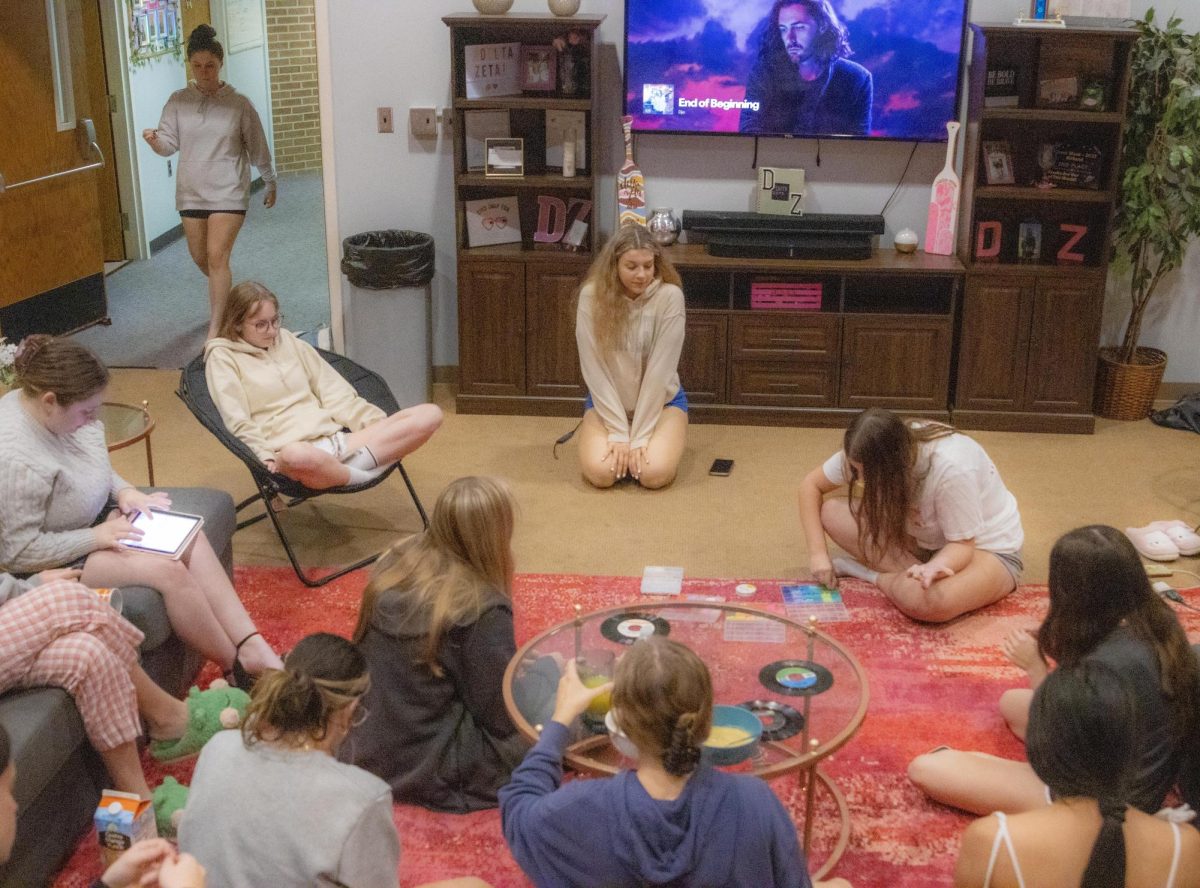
(122, 818)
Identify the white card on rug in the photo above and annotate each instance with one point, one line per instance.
(747, 627)
(694, 614)
(662, 580)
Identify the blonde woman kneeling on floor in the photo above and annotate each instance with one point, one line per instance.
(629, 331)
(300, 417)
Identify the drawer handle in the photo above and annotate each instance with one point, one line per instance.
(776, 339)
(783, 385)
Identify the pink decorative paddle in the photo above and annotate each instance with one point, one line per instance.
(942, 224)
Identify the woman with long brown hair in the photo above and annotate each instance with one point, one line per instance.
(1101, 609)
(629, 330)
(436, 627)
(928, 518)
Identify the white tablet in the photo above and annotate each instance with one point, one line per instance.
(166, 533)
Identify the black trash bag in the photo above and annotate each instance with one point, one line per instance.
(1183, 414)
(383, 260)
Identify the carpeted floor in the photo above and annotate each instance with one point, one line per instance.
(928, 686)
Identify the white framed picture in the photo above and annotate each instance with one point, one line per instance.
(493, 220)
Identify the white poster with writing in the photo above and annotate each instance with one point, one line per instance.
(492, 69)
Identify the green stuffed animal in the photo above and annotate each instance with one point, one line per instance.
(217, 709)
(170, 797)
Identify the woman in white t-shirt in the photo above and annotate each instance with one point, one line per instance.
(928, 518)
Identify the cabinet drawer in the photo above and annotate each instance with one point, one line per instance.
(775, 336)
(774, 384)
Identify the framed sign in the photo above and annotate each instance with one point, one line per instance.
(504, 157)
(539, 66)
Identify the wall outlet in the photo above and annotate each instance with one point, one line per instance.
(384, 120)
(423, 122)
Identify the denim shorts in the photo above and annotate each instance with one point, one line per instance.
(680, 400)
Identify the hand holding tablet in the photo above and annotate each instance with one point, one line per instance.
(163, 533)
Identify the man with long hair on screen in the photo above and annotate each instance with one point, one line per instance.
(802, 80)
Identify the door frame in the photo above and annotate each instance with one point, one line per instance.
(333, 244)
(116, 65)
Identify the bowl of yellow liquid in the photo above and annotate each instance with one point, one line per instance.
(734, 736)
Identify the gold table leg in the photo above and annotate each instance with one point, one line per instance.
(843, 815)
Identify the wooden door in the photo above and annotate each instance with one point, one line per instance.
(491, 328)
(194, 12)
(111, 229)
(993, 344)
(703, 363)
(52, 276)
(901, 362)
(551, 358)
(1064, 330)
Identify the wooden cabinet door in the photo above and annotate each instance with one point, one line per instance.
(551, 358)
(491, 328)
(895, 361)
(703, 363)
(994, 344)
(1064, 330)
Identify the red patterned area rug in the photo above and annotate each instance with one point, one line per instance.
(929, 685)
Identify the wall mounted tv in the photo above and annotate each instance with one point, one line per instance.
(868, 69)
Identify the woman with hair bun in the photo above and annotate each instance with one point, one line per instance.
(56, 485)
(1083, 742)
(218, 135)
(673, 820)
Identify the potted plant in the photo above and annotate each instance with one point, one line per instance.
(1158, 211)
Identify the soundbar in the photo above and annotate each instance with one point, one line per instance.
(762, 236)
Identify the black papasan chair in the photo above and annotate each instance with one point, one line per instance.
(193, 391)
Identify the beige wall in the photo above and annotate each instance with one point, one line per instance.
(295, 113)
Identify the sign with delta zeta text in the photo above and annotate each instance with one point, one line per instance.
(493, 69)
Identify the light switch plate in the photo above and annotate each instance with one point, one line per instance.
(423, 122)
(384, 120)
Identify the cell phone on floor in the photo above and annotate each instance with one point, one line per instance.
(721, 467)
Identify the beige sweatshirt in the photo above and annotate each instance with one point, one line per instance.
(281, 395)
(631, 386)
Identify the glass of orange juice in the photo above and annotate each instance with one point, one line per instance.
(596, 668)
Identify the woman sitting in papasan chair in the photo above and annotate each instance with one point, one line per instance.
(286, 403)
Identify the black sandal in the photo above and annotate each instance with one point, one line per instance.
(241, 678)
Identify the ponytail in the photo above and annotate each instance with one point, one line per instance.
(682, 754)
(1106, 866)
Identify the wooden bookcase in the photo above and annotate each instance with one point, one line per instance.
(516, 306)
(1030, 324)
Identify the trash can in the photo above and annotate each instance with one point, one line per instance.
(387, 308)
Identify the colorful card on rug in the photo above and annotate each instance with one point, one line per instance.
(747, 627)
(662, 580)
(811, 600)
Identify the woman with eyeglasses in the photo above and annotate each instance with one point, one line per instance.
(57, 485)
(287, 404)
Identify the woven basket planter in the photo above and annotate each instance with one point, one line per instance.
(1127, 391)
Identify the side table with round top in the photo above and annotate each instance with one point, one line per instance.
(126, 424)
(808, 690)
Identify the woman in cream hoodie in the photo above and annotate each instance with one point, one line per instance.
(218, 135)
(299, 416)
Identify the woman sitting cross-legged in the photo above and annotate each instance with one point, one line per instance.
(436, 627)
(279, 397)
(672, 821)
(60, 634)
(272, 806)
(927, 514)
(56, 483)
(1083, 742)
(629, 330)
(1102, 610)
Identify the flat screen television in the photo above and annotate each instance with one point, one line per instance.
(867, 69)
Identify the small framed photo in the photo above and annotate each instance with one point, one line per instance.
(539, 66)
(1029, 241)
(504, 158)
(998, 163)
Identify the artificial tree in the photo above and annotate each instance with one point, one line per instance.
(1159, 208)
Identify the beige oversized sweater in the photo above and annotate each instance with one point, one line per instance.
(281, 395)
(52, 487)
(631, 386)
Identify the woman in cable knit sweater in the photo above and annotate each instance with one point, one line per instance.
(629, 330)
(281, 399)
(218, 135)
(56, 484)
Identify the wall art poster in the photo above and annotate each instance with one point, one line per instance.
(492, 69)
(493, 220)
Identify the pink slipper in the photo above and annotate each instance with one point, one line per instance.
(1152, 543)
(1186, 540)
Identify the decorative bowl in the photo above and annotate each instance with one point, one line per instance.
(493, 7)
(564, 7)
(738, 719)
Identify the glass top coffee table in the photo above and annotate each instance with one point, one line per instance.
(809, 692)
(126, 424)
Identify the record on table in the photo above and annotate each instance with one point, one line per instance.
(629, 627)
(779, 720)
(796, 678)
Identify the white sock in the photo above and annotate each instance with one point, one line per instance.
(848, 567)
(362, 476)
(362, 458)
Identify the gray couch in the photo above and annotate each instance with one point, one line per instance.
(59, 775)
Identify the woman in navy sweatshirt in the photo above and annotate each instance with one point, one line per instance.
(673, 820)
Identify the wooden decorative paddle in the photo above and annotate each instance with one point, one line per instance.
(942, 224)
(631, 187)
